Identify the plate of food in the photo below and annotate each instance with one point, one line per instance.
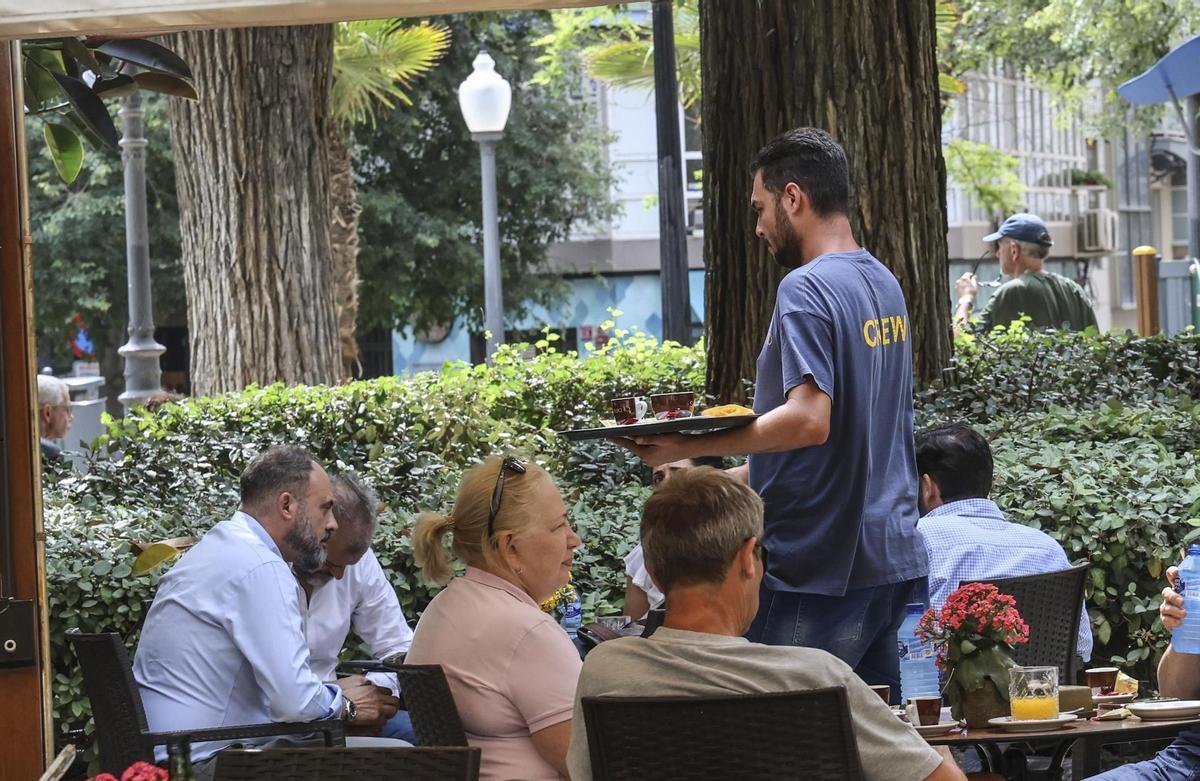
(666, 413)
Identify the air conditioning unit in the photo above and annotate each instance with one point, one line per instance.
(1098, 231)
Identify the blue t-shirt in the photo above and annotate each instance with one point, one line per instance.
(842, 515)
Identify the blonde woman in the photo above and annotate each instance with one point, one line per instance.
(511, 667)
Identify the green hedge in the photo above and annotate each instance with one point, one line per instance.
(1095, 440)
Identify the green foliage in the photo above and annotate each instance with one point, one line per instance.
(420, 257)
(374, 62)
(1071, 46)
(79, 241)
(607, 45)
(988, 175)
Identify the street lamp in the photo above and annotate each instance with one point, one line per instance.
(485, 98)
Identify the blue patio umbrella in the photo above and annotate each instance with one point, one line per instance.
(1176, 75)
(1174, 78)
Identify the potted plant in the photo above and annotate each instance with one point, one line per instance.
(974, 634)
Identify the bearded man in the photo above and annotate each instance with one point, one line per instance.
(224, 643)
(831, 453)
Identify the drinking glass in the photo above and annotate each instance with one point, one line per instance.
(1033, 692)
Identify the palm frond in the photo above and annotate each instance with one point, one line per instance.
(374, 64)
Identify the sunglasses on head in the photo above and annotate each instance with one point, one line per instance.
(508, 464)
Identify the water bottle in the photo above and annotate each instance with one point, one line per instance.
(573, 616)
(918, 666)
(1186, 639)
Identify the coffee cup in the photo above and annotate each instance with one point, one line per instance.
(1102, 680)
(929, 710)
(628, 408)
(884, 691)
(670, 405)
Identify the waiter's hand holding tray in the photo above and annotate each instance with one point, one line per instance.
(634, 417)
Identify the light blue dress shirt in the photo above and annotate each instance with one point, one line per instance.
(224, 641)
(970, 539)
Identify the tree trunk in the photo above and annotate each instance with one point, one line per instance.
(253, 178)
(343, 236)
(866, 71)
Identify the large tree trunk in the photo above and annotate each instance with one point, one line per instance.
(866, 71)
(253, 184)
(343, 236)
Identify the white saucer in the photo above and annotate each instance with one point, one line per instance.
(1103, 699)
(935, 730)
(1009, 724)
(1171, 709)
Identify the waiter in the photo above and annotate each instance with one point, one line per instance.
(831, 452)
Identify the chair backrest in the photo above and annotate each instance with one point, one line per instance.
(1050, 604)
(348, 764)
(116, 703)
(654, 619)
(431, 705)
(786, 735)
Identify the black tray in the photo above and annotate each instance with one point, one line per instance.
(697, 424)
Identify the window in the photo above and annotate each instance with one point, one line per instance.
(1179, 217)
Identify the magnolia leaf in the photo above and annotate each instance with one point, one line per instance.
(116, 87)
(166, 84)
(157, 554)
(40, 87)
(65, 149)
(89, 109)
(148, 54)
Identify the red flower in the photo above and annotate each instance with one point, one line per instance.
(104, 777)
(144, 771)
(977, 612)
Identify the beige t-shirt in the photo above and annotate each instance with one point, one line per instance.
(511, 668)
(675, 663)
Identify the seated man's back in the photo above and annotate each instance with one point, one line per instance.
(676, 663)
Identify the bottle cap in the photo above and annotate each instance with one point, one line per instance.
(1194, 549)
(917, 608)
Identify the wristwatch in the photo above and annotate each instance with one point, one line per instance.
(350, 711)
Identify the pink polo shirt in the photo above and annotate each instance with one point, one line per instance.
(511, 667)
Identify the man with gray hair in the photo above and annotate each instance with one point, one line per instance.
(54, 415)
(1050, 300)
(701, 532)
(350, 588)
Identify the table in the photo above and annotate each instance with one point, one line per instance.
(1087, 735)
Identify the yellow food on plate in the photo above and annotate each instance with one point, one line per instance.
(726, 410)
(1125, 684)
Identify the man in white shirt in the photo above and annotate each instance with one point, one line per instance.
(351, 589)
(702, 533)
(223, 643)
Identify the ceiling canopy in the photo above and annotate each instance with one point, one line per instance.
(49, 18)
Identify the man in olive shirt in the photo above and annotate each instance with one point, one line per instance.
(1050, 300)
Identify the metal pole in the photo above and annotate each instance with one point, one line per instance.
(143, 377)
(1192, 128)
(493, 290)
(672, 227)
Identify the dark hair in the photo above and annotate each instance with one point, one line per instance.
(958, 459)
(716, 462)
(274, 471)
(695, 523)
(355, 506)
(810, 158)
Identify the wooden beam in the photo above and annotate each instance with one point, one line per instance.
(25, 699)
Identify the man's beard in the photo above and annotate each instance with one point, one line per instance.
(309, 552)
(788, 253)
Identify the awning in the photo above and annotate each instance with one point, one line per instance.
(48, 18)
(1176, 75)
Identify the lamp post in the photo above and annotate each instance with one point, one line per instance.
(485, 98)
(143, 377)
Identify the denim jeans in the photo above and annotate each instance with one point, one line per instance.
(400, 727)
(1179, 761)
(858, 628)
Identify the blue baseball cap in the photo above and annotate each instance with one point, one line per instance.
(1023, 227)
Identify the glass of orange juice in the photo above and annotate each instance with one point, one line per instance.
(1033, 692)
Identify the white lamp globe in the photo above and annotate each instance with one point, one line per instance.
(485, 97)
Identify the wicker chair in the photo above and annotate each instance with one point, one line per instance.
(349, 764)
(120, 719)
(1050, 605)
(804, 735)
(431, 705)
